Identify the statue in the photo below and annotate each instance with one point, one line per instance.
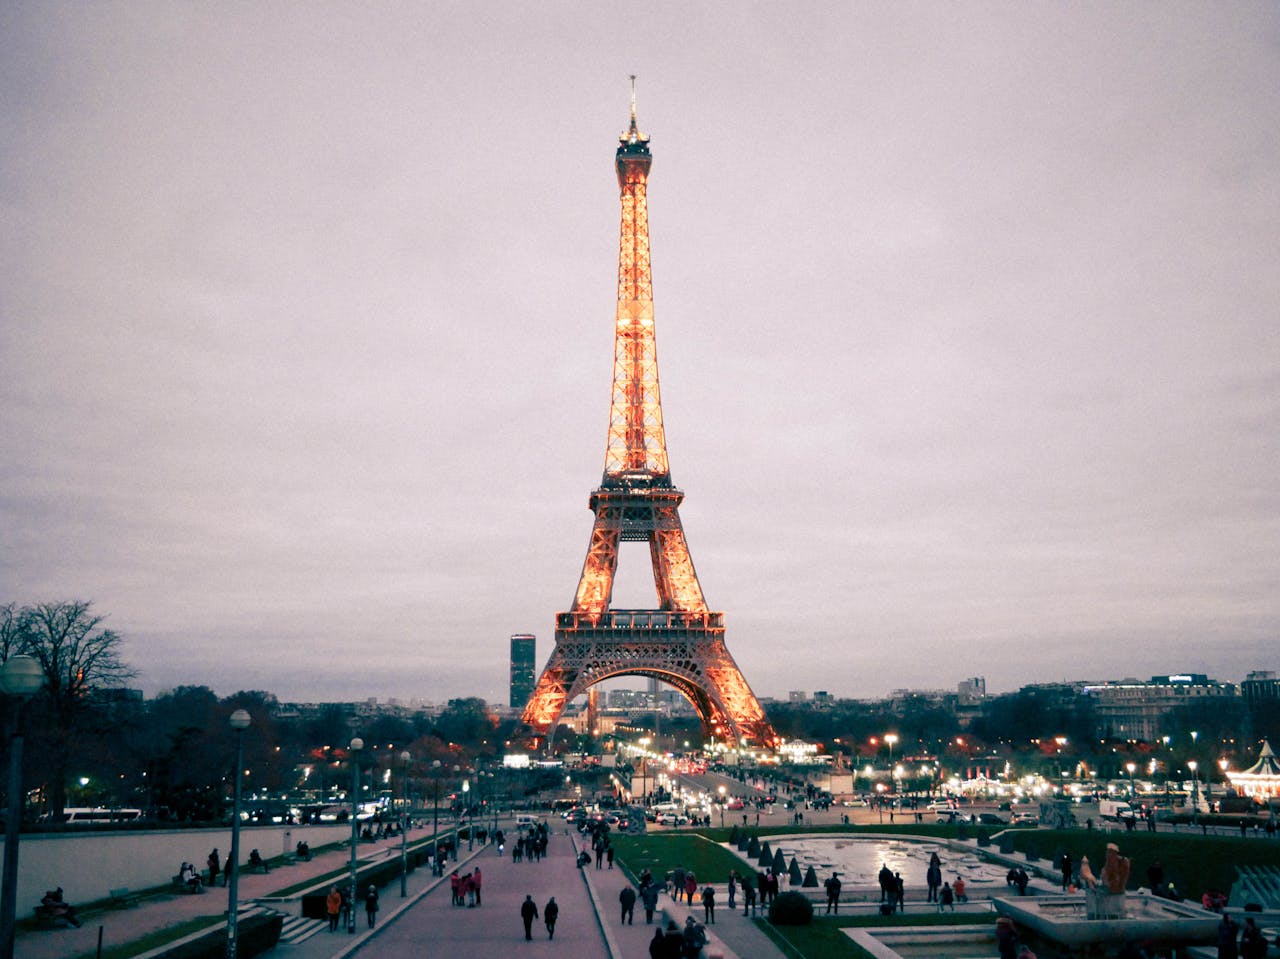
(1087, 878)
(1115, 872)
(1104, 895)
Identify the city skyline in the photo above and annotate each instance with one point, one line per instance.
(966, 323)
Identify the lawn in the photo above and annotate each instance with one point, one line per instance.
(662, 852)
(824, 939)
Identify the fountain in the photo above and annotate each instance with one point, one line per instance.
(1106, 913)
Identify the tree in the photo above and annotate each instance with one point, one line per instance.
(80, 659)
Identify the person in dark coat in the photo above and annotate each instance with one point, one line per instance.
(1227, 933)
(832, 886)
(1253, 945)
(709, 904)
(672, 942)
(528, 913)
(628, 900)
(371, 904)
(550, 913)
(649, 896)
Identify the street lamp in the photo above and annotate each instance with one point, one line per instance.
(1131, 767)
(20, 678)
(466, 810)
(239, 721)
(1195, 791)
(437, 867)
(356, 745)
(404, 823)
(891, 738)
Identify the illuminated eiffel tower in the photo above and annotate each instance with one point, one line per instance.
(681, 642)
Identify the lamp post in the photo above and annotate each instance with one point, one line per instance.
(239, 721)
(1131, 767)
(466, 811)
(20, 678)
(435, 818)
(357, 744)
(404, 823)
(1195, 792)
(891, 739)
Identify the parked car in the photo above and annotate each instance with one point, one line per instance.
(953, 816)
(1025, 818)
(991, 819)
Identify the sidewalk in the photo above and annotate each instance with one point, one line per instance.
(430, 924)
(166, 910)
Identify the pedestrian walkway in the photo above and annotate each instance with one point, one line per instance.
(733, 936)
(432, 925)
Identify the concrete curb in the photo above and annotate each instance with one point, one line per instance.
(610, 943)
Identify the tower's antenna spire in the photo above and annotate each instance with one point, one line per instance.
(633, 135)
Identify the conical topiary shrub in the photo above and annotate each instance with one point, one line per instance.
(734, 835)
(793, 873)
(766, 857)
(779, 863)
(744, 842)
(753, 847)
(810, 879)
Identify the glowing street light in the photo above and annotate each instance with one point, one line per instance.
(1131, 767)
(891, 739)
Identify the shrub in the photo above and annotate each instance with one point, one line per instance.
(791, 909)
(254, 936)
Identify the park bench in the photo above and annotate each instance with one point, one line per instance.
(123, 898)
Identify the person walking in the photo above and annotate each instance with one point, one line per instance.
(215, 866)
(900, 890)
(476, 880)
(657, 945)
(1227, 933)
(371, 904)
(748, 897)
(886, 882)
(1066, 866)
(690, 886)
(608, 854)
(1253, 944)
(627, 898)
(832, 886)
(333, 906)
(933, 877)
(649, 897)
(709, 904)
(946, 898)
(528, 913)
(550, 913)
(733, 888)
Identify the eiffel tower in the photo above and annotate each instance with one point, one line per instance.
(681, 642)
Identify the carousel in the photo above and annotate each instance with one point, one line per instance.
(1261, 781)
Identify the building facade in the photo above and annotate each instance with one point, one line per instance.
(524, 668)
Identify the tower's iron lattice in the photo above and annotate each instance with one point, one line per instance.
(681, 642)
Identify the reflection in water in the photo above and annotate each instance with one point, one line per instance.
(858, 860)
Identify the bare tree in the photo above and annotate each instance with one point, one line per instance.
(79, 659)
(11, 630)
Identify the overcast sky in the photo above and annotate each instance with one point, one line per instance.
(968, 326)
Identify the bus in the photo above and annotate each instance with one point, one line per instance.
(87, 815)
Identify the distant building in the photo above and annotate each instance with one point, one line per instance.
(798, 696)
(524, 670)
(1132, 709)
(1261, 686)
(971, 691)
